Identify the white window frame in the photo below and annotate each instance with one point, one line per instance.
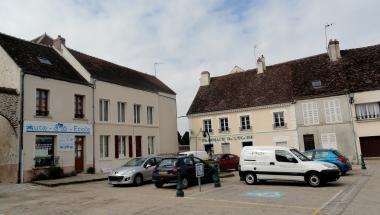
(207, 127)
(328, 141)
(310, 113)
(137, 113)
(151, 148)
(333, 112)
(279, 119)
(104, 144)
(223, 124)
(103, 111)
(121, 112)
(149, 115)
(366, 111)
(245, 122)
(122, 145)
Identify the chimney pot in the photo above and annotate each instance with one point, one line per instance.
(59, 42)
(205, 78)
(261, 64)
(333, 50)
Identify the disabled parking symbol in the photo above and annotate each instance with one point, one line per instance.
(263, 194)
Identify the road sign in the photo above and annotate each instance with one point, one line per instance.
(199, 170)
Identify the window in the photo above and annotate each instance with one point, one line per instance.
(121, 111)
(188, 161)
(120, 146)
(332, 111)
(150, 162)
(316, 84)
(367, 111)
(248, 143)
(223, 124)
(104, 152)
(149, 112)
(79, 106)
(44, 151)
(310, 113)
(42, 108)
(207, 125)
(197, 160)
(225, 148)
(44, 60)
(329, 141)
(150, 145)
(245, 123)
(279, 121)
(137, 110)
(103, 110)
(284, 156)
(282, 143)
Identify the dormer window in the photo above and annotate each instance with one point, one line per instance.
(44, 60)
(316, 84)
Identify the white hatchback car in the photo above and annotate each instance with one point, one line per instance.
(261, 163)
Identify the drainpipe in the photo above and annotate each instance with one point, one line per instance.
(20, 175)
(93, 122)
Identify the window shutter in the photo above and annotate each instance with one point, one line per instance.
(315, 113)
(117, 146)
(305, 111)
(328, 112)
(338, 111)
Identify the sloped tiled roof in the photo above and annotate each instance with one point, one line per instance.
(113, 73)
(26, 55)
(358, 70)
(43, 39)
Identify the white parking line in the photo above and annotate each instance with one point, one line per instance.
(331, 199)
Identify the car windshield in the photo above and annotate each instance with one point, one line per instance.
(216, 157)
(135, 162)
(299, 155)
(168, 162)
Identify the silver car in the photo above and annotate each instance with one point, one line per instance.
(135, 171)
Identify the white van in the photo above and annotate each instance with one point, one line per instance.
(261, 163)
(199, 154)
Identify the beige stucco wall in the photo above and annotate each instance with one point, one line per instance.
(262, 132)
(61, 110)
(164, 126)
(9, 71)
(343, 130)
(365, 128)
(8, 152)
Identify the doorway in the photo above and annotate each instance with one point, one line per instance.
(308, 141)
(79, 153)
(209, 148)
(138, 146)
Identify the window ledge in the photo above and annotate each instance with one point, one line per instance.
(80, 119)
(367, 120)
(105, 159)
(122, 158)
(46, 117)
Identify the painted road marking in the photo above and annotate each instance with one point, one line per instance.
(263, 194)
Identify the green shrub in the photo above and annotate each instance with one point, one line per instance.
(90, 170)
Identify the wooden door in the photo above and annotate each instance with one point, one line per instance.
(308, 141)
(79, 153)
(138, 146)
(370, 146)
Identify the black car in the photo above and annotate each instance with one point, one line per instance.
(166, 171)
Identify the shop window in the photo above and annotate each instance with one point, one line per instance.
(44, 151)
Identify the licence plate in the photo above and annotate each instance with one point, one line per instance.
(163, 172)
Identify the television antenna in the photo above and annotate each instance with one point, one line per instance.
(327, 26)
(155, 67)
(255, 47)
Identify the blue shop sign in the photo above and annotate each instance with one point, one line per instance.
(56, 127)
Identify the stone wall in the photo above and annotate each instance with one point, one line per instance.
(9, 105)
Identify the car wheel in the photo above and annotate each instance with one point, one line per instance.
(314, 180)
(158, 184)
(250, 178)
(185, 183)
(138, 181)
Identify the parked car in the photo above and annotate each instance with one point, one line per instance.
(282, 163)
(226, 161)
(331, 156)
(167, 170)
(134, 171)
(200, 154)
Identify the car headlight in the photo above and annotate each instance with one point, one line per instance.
(329, 166)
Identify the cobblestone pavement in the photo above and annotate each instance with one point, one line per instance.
(234, 197)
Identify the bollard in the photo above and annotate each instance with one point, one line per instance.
(363, 163)
(179, 192)
(215, 177)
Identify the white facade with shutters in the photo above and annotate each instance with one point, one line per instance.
(329, 121)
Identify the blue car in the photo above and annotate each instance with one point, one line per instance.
(330, 156)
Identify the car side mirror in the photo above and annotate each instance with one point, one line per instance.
(148, 165)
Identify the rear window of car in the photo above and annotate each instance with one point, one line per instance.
(321, 154)
(168, 162)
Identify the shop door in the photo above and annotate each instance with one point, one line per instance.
(308, 141)
(370, 146)
(79, 153)
(138, 146)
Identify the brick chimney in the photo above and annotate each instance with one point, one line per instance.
(261, 64)
(334, 50)
(205, 78)
(59, 42)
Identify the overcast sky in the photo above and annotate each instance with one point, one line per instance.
(190, 36)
